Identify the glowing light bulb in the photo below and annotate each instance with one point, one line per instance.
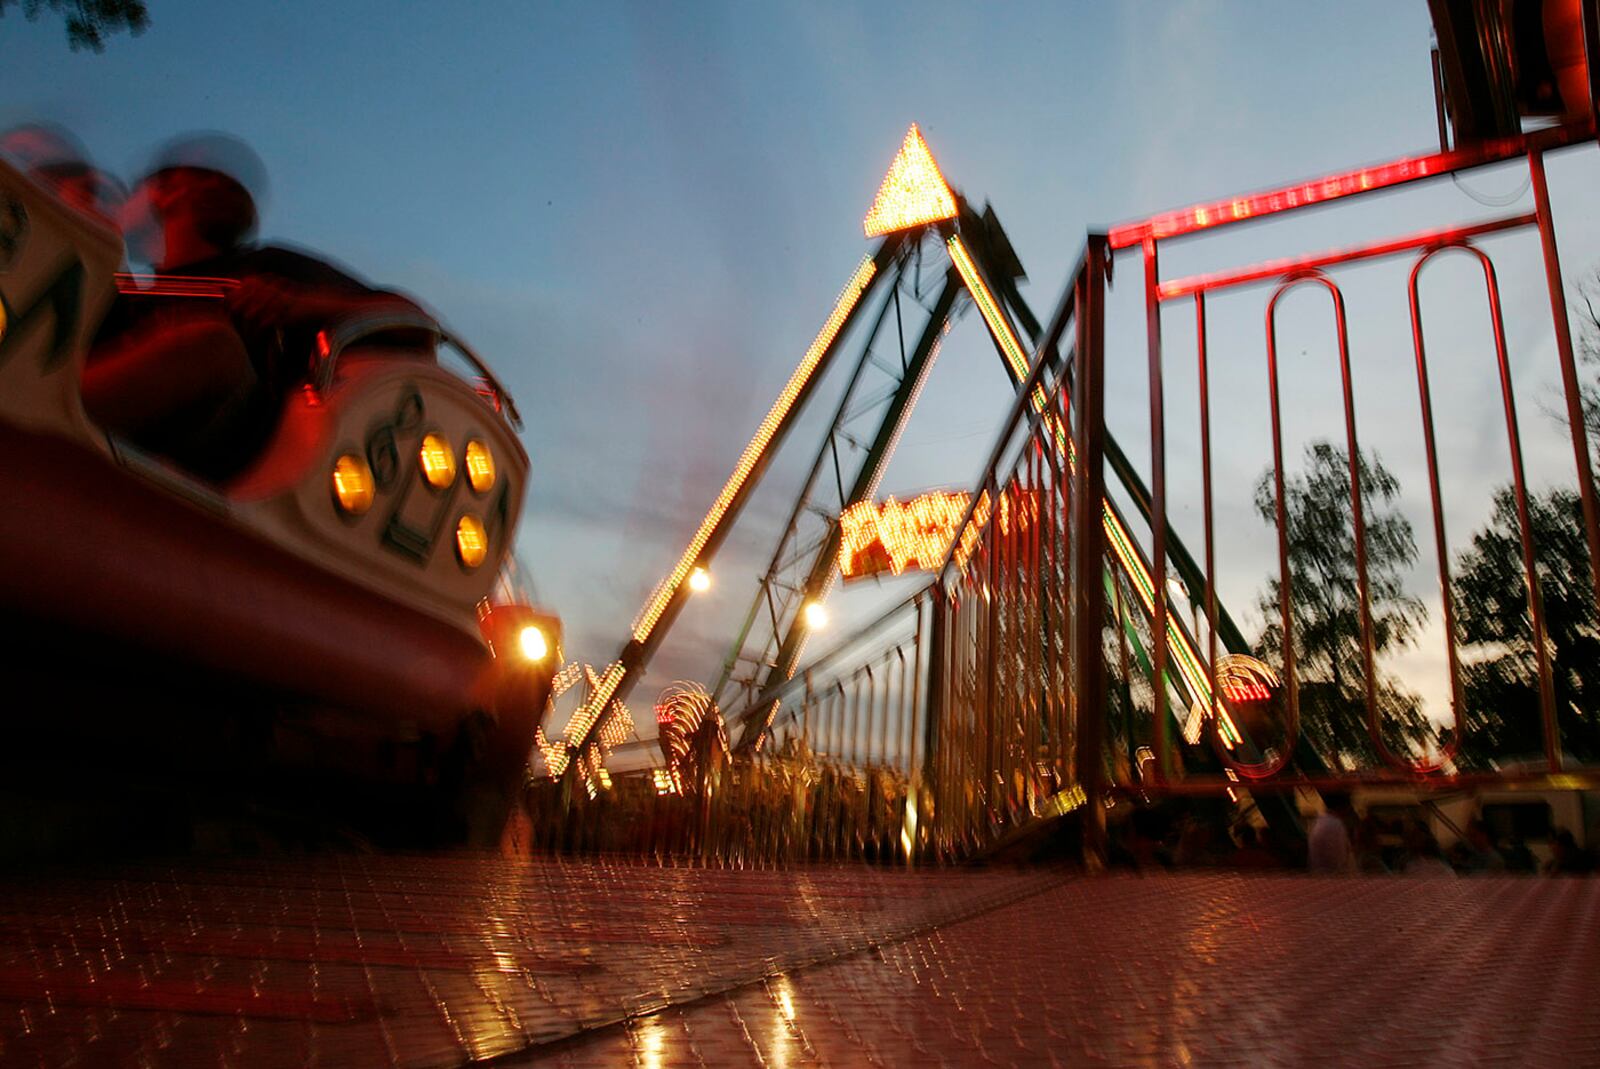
(699, 580)
(816, 616)
(535, 647)
(352, 484)
(438, 461)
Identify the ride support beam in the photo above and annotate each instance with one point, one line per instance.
(866, 484)
(661, 610)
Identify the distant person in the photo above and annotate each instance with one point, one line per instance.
(1518, 857)
(1368, 844)
(1328, 848)
(1251, 854)
(1476, 851)
(1423, 857)
(1567, 858)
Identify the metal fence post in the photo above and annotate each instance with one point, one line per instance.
(1089, 599)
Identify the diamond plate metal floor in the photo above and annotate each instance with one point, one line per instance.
(445, 961)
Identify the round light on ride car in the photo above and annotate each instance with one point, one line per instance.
(480, 466)
(816, 616)
(438, 461)
(472, 541)
(535, 647)
(699, 580)
(352, 484)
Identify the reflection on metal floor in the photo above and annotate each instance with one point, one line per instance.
(443, 961)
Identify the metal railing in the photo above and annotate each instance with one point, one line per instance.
(1322, 663)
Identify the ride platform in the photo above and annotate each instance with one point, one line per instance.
(449, 961)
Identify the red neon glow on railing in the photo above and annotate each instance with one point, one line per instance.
(174, 285)
(1331, 187)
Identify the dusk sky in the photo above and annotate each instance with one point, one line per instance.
(640, 215)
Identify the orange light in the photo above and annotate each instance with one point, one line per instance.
(472, 541)
(438, 461)
(699, 580)
(535, 647)
(913, 193)
(816, 616)
(480, 466)
(897, 536)
(352, 483)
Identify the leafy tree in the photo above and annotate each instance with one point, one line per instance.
(1589, 355)
(1501, 678)
(1327, 606)
(89, 22)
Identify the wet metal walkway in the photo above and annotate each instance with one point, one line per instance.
(444, 961)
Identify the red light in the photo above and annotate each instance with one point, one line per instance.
(1245, 691)
(174, 285)
(1332, 187)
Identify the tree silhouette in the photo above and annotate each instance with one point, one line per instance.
(1589, 356)
(1493, 625)
(89, 22)
(1327, 608)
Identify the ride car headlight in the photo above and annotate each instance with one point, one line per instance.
(352, 484)
(438, 461)
(480, 466)
(472, 541)
(535, 647)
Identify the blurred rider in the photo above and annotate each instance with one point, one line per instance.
(51, 156)
(202, 381)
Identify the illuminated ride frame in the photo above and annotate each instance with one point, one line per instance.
(1145, 238)
(914, 209)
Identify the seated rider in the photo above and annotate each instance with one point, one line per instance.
(202, 381)
(53, 157)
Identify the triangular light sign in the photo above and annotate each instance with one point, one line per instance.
(913, 193)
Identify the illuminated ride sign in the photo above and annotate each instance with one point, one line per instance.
(1244, 681)
(913, 193)
(895, 535)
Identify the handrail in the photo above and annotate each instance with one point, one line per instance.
(331, 345)
(780, 690)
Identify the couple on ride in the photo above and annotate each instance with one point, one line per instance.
(198, 381)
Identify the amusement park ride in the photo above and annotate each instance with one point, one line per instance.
(1497, 66)
(835, 526)
(330, 620)
(333, 620)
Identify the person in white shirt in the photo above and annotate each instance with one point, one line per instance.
(1328, 845)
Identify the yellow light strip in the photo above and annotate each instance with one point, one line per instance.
(989, 308)
(757, 448)
(646, 621)
(1189, 664)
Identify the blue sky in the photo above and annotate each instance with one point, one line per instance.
(641, 213)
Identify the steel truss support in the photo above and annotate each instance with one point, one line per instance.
(782, 644)
(657, 617)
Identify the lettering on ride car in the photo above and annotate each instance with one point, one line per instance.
(410, 528)
(383, 442)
